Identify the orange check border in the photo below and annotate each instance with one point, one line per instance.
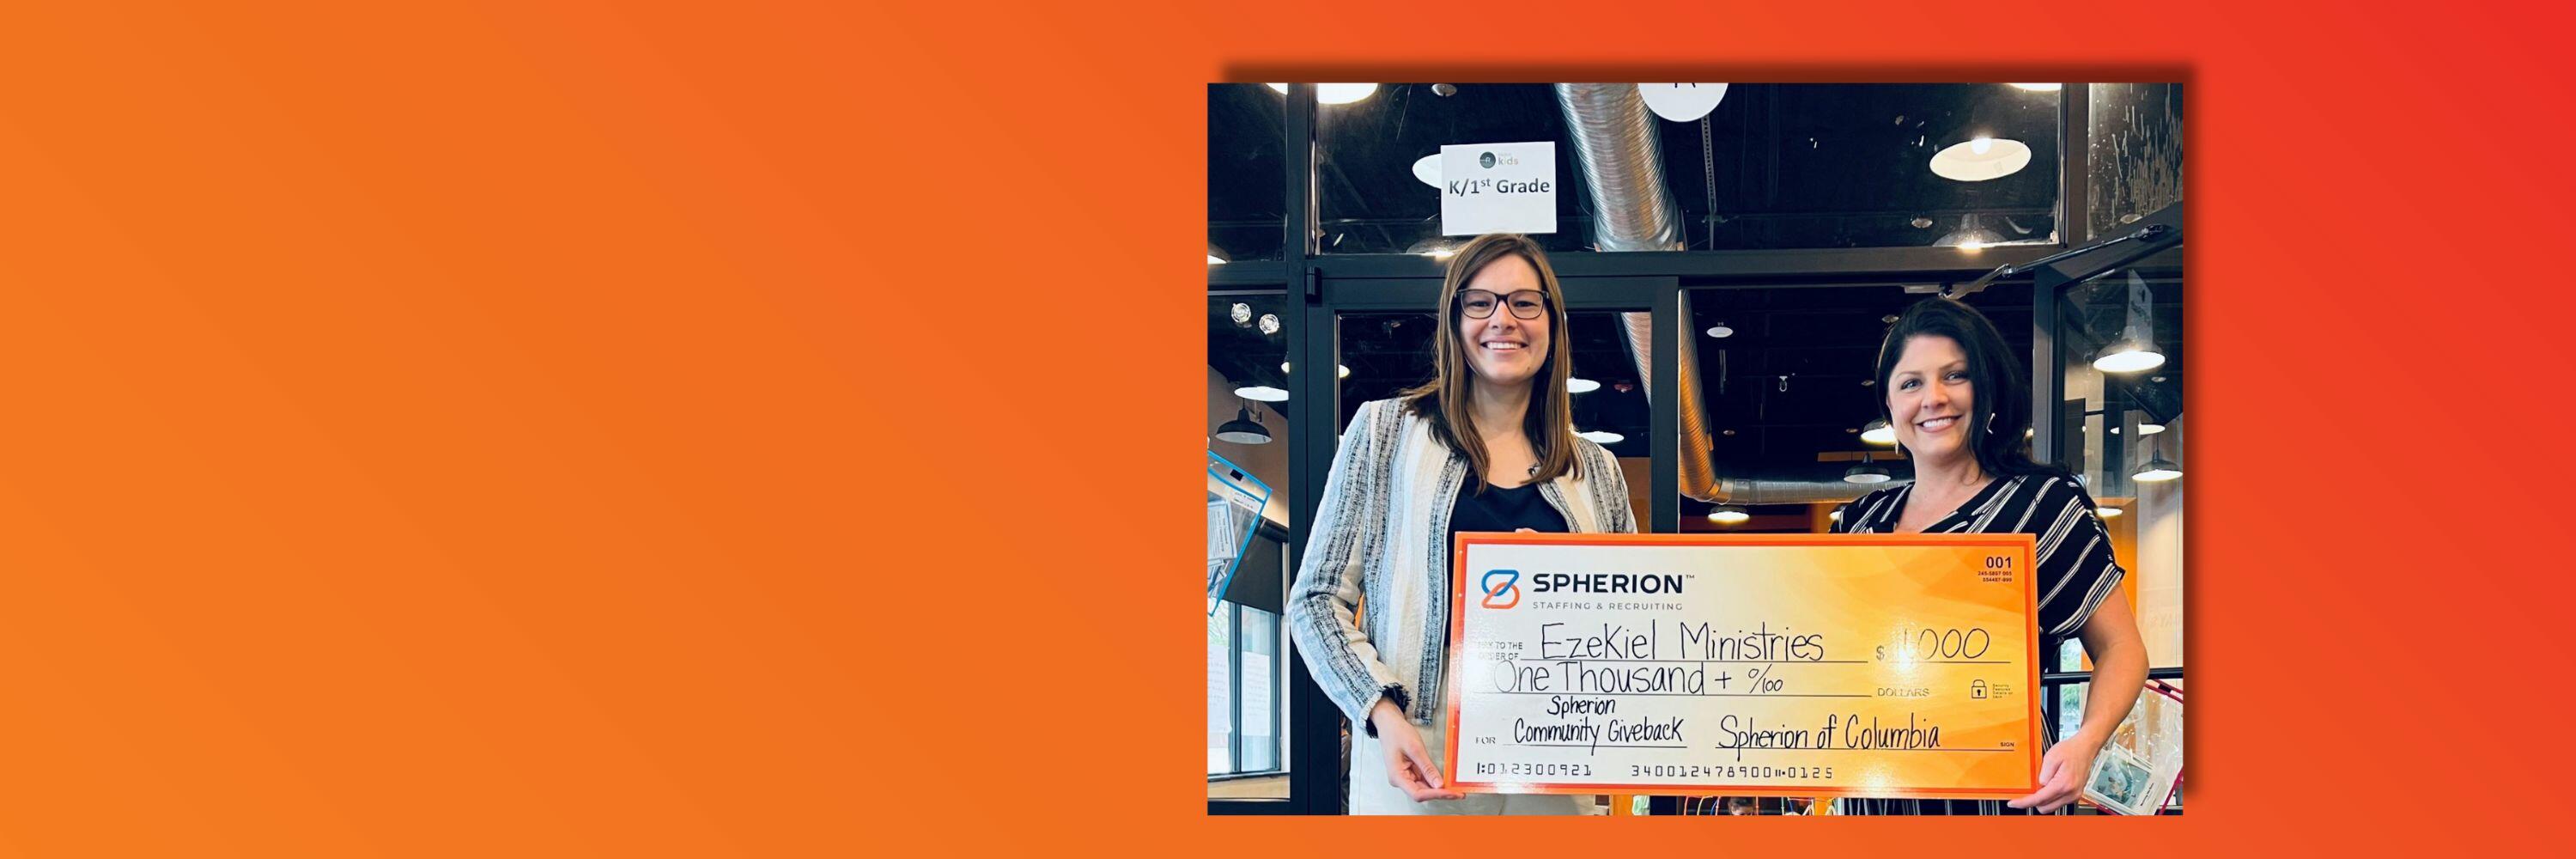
(2023, 543)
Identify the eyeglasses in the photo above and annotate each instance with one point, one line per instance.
(1479, 304)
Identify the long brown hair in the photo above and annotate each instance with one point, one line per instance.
(1443, 400)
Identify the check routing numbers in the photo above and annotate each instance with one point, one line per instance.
(1804, 665)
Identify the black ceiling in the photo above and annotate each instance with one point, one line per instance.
(1781, 165)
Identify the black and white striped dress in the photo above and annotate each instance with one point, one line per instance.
(2076, 570)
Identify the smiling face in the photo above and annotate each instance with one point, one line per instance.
(1503, 348)
(1929, 399)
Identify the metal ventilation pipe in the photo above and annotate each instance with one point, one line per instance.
(1632, 210)
(1616, 148)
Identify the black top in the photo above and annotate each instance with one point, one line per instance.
(1499, 509)
(2076, 570)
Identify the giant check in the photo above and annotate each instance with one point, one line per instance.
(1779, 665)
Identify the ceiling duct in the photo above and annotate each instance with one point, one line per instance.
(1801, 483)
(1615, 146)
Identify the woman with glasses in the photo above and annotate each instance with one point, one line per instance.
(1487, 444)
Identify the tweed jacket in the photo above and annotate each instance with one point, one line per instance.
(1381, 533)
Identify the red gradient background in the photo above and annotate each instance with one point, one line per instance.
(496, 428)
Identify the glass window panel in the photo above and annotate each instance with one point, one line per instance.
(1386, 353)
(1247, 344)
(1259, 692)
(1787, 394)
(2116, 424)
(1247, 172)
(2070, 708)
(1774, 166)
(1244, 364)
(2135, 135)
(1850, 165)
(1220, 691)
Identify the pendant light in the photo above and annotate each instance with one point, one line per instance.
(1878, 432)
(1970, 236)
(1970, 146)
(1244, 429)
(1866, 472)
(2158, 469)
(1729, 514)
(2135, 350)
(2128, 356)
(1334, 93)
(1981, 158)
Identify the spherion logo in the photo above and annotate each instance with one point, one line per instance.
(1504, 593)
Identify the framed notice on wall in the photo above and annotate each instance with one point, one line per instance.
(1764, 665)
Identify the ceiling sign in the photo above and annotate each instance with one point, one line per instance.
(1682, 102)
(1498, 188)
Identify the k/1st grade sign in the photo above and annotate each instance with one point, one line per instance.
(1498, 188)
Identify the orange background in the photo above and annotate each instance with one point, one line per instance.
(584, 429)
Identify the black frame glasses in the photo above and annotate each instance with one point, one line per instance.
(1538, 310)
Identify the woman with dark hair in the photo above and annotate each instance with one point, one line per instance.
(1487, 444)
(1957, 400)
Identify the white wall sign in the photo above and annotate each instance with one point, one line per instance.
(1498, 188)
(1682, 102)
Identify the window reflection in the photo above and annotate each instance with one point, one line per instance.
(1247, 173)
(2135, 139)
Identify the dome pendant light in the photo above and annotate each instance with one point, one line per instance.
(2135, 351)
(1729, 515)
(1866, 472)
(1878, 432)
(1981, 158)
(1334, 93)
(1969, 236)
(1244, 429)
(2158, 469)
(2129, 356)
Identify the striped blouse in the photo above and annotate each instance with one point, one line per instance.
(2076, 570)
